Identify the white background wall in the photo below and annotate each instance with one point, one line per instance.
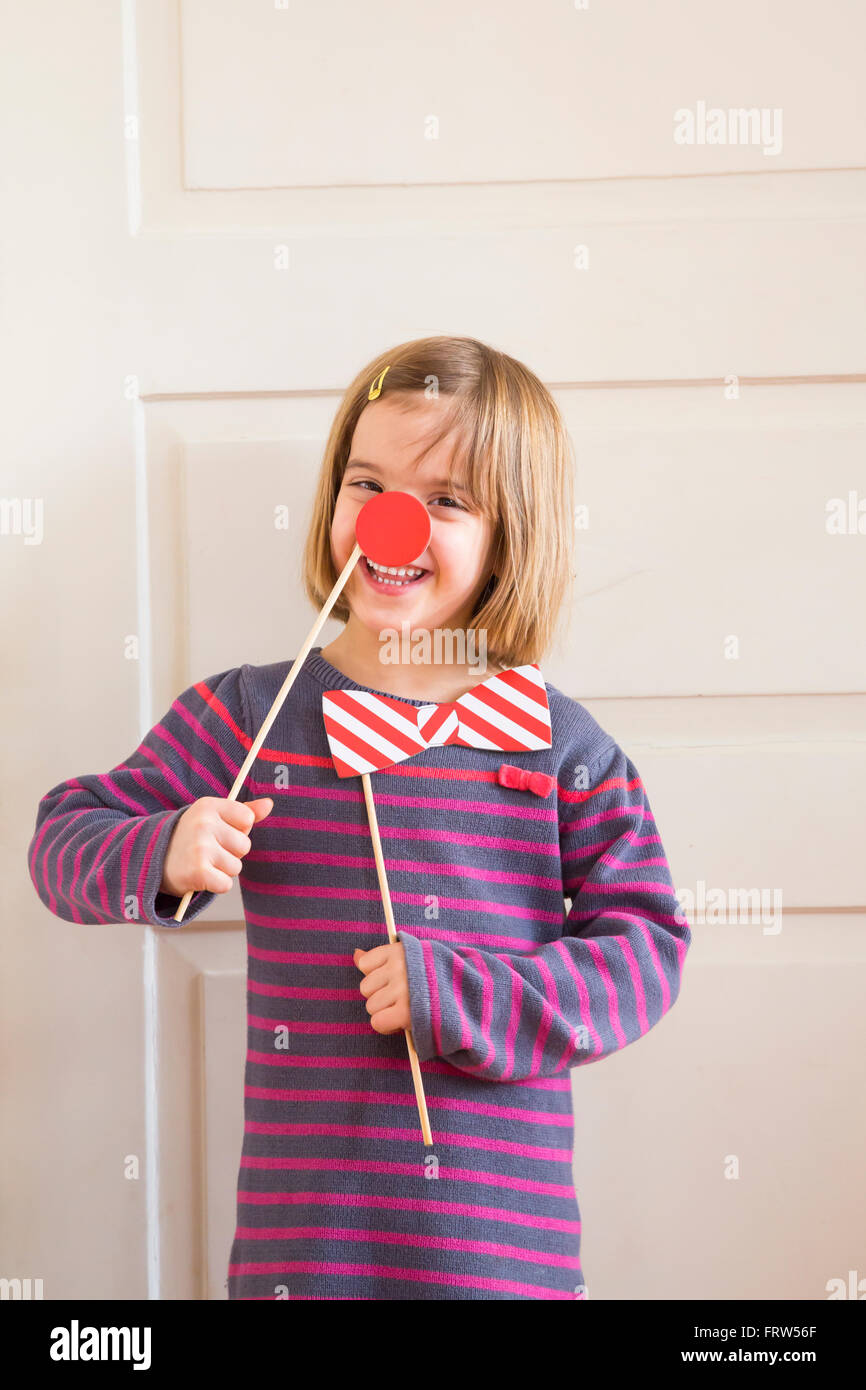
(214, 212)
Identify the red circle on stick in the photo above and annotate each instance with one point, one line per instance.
(393, 528)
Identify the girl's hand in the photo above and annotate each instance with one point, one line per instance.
(385, 986)
(207, 846)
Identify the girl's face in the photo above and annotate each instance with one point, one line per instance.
(457, 563)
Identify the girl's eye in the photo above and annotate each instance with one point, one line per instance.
(367, 483)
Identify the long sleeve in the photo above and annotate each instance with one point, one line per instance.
(611, 976)
(98, 849)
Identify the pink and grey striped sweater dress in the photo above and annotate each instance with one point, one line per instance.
(337, 1198)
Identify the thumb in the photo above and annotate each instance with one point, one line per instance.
(261, 807)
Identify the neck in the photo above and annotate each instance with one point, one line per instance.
(360, 655)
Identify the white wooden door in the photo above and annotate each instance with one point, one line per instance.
(216, 212)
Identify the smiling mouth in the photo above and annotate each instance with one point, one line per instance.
(393, 577)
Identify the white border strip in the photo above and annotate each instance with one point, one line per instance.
(150, 977)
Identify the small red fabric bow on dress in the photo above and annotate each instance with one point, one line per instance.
(507, 712)
(524, 780)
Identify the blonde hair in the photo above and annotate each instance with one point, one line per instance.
(517, 469)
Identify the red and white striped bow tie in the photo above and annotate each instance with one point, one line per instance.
(506, 713)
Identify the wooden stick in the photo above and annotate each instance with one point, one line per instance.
(286, 687)
(392, 937)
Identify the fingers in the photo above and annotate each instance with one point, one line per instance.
(233, 820)
(242, 815)
(235, 841)
(388, 1021)
(376, 980)
(227, 863)
(371, 960)
(212, 880)
(385, 987)
(213, 868)
(382, 999)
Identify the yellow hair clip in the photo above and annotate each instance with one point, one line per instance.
(376, 388)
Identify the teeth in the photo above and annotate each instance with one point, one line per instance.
(391, 569)
(409, 570)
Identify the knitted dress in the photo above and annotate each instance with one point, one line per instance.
(337, 1197)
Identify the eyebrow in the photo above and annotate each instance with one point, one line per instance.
(445, 483)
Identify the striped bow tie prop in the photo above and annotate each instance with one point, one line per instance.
(507, 713)
(368, 732)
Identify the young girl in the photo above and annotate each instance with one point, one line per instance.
(337, 1196)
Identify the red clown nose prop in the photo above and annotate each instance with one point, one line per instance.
(393, 528)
